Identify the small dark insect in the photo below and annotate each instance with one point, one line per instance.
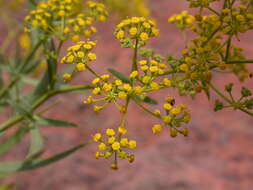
(173, 101)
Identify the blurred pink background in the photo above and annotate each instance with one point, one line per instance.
(218, 154)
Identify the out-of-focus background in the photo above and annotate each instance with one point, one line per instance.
(217, 155)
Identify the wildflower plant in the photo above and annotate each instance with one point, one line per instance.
(51, 23)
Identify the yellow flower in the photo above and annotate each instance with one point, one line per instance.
(166, 82)
(144, 36)
(70, 59)
(143, 62)
(120, 34)
(124, 142)
(144, 68)
(122, 130)
(104, 77)
(116, 146)
(122, 154)
(67, 77)
(97, 108)
(156, 128)
(157, 112)
(118, 82)
(135, 20)
(102, 147)
(80, 67)
(146, 25)
(96, 80)
(167, 106)
(122, 95)
(167, 119)
(173, 132)
(132, 144)
(176, 110)
(184, 67)
(96, 90)
(107, 87)
(80, 54)
(133, 74)
(92, 56)
(138, 90)
(155, 31)
(127, 87)
(110, 132)
(87, 46)
(97, 155)
(97, 137)
(111, 140)
(146, 79)
(75, 38)
(133, 31)
(61, 13)
(154, 86)
(153, 69)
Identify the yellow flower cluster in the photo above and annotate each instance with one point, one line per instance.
(173, 118)
(66, 18)
(208, 51)
(114, 144)
(110, 92)
(148, 74)
(182, 20)
(237, 20)
(200, 3)
(136, 28)
(149, 78)
(134, 7)
(79, 55)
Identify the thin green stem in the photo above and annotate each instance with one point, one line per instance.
(92, 71)
(228, 47)
(134, 65)
(146, 109)
(239, 61)
(214, 11)
(229, 101)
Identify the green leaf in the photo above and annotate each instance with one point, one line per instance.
(8, 168)
(7, 186)
(52, 122)
(13, 140)
(42, 87)
(149, 100)
(120, 76)
(29, 81)
(37, 142)
(145, 99)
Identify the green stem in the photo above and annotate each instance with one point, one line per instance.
(12, 121)
(146, 109)
(228, 100)
(228, 47)
(239, 61)
(92, 71)
(134, 65)
(214, 11)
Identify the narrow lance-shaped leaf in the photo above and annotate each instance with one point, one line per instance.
(4, 147)
(120, 76)
(36, 143)
(52, 122)
(7, 168)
